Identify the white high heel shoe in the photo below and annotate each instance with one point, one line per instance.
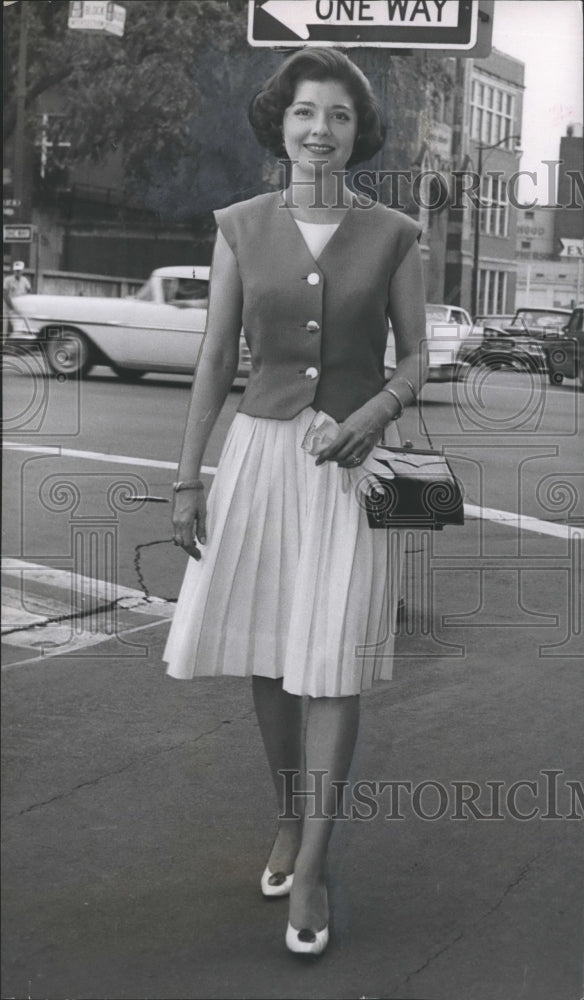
(276, 883)
(305, 941)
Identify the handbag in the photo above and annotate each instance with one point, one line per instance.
(420, 490)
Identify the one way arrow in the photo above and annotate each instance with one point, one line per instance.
(297, 15)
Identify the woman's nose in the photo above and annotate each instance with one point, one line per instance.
(320, 125)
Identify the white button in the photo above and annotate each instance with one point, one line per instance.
(312, 326)
(311, 373)
(313, 278)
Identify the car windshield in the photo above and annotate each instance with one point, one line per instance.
(540, 320)
(176, 291)
(437, 314)
(186, 290)
(146, 293)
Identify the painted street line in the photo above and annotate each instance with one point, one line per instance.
(98, 456)
(52, 625)
(64, 579)
(52, 653)
(508, 518)
(523, 522)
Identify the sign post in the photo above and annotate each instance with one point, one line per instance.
(451, 26)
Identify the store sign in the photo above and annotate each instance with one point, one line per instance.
(17, 234)
(406, 24)
(571, 248)
(97, 15)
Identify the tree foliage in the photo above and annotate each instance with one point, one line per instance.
(172, 95)
(140, 91)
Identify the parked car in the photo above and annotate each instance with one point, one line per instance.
(517, 344)
(565, 354)
(539, 323)
(159, 329)
(446, 329)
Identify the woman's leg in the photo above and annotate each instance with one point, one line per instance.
(331, 734)
(280, 719)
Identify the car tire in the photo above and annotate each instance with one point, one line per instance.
(128, 374)
(69, 353)
(556, 378)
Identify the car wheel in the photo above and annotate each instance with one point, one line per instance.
(128, 374)
(556, 378)
(69, 353)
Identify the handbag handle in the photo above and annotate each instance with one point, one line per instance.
(418, 407)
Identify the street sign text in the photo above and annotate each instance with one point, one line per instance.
(394, 23)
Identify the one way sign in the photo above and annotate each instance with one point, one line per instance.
(405, 24)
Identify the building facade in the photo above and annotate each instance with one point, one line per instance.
(550, 257)
(481, 265)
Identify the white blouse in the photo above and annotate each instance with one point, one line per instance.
(316, 235)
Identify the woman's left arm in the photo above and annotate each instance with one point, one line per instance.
(361, 431)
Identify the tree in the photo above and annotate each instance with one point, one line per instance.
(172, 95)
(141, 92)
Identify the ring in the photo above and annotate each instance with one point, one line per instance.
(355, 459)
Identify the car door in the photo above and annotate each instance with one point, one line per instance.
(163, 336)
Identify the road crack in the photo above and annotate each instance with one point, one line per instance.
(521, 875)
(127, 767)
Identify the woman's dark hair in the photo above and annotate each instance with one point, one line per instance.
(266, 111)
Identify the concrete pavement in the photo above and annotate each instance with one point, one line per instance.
(138, 812)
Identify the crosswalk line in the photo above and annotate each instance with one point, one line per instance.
(42, 609)
(67, 580)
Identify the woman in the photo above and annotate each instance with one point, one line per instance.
(292, 587)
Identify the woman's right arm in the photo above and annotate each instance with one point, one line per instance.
(216, 369)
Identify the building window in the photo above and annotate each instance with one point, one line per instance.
(525, 244)
(491, 113)
(492, 292)
(494, 211)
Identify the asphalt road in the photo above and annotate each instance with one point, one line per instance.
(137, 810)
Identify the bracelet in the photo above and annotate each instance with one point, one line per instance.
(401, 405)
(402, 378)
(188, 484)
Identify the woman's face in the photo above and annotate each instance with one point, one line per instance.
(321, 124)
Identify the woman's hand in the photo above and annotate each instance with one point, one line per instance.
(359, 433)
(189, 519)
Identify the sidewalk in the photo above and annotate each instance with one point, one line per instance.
(138, 815)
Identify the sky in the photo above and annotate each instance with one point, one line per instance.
(546, 35)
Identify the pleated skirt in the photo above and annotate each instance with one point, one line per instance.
(292, 582)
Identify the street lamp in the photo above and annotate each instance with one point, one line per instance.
(477, 216)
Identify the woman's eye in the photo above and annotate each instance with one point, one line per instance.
(301, 112)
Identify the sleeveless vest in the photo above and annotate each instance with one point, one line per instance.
(316, 330)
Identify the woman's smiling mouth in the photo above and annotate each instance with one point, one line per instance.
(318, 148)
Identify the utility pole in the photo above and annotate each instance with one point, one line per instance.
(19, 181)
